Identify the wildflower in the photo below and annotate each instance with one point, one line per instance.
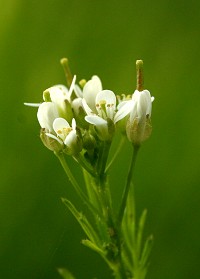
(66, 134)
(61, 97)
(105, 104)
(139, 110)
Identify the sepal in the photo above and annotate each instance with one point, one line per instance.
(50, 142)
(138, 131)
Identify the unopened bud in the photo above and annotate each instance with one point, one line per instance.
(138, 131)
(51, 143)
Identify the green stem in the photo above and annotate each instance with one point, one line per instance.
(84, 165)
(116, 154)
(91, 189)
(74, 182)
(128, 184)
(104, 152)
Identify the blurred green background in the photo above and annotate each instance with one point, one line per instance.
(37, 234)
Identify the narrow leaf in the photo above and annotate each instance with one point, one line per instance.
(92, 246)
(65, 273)
(140, 230)
(83, 221)
(146, 251)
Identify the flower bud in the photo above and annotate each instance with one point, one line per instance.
(138, 131)
(51, 143)
(138, 127)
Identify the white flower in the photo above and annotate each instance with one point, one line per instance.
(138, 127)
(105, 104)
(61, 96)
(66, 134)
(47, 113)
(138, 107)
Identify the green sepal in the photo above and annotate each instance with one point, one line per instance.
(65, 273)
(50, 143)
(46, 96)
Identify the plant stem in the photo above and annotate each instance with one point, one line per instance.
(116, 153)
(84, 165)
(74, 182)
(104, 152)
(128, 184)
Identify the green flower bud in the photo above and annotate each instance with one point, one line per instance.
(138, 131)
(51, 143)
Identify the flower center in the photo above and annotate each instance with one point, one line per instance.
(104, 109)
(64, 132)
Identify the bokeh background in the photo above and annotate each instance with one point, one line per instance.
(37, 234)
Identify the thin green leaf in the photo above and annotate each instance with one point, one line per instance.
(65, 273)
(146, 251)
(140, 231)
(94, 247)
(90, 187)
(82, 220)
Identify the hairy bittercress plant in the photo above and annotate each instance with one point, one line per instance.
(81, 121)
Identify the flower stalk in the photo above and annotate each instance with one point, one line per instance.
(128, 184)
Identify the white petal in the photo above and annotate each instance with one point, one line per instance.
(71, 88)
(86, 107)
(95, 120)
(106, 95)
(32, 104)
(124, 110)
(73, 124)
(136, 95)
(144, 104)
(62, 87)
(120, 105)
(57, 94)
(71, 138)
(78, 91)
(47, 113)
(60, 123)
(90, 90)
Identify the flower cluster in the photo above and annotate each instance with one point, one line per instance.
(81, 120)
(75, 118)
